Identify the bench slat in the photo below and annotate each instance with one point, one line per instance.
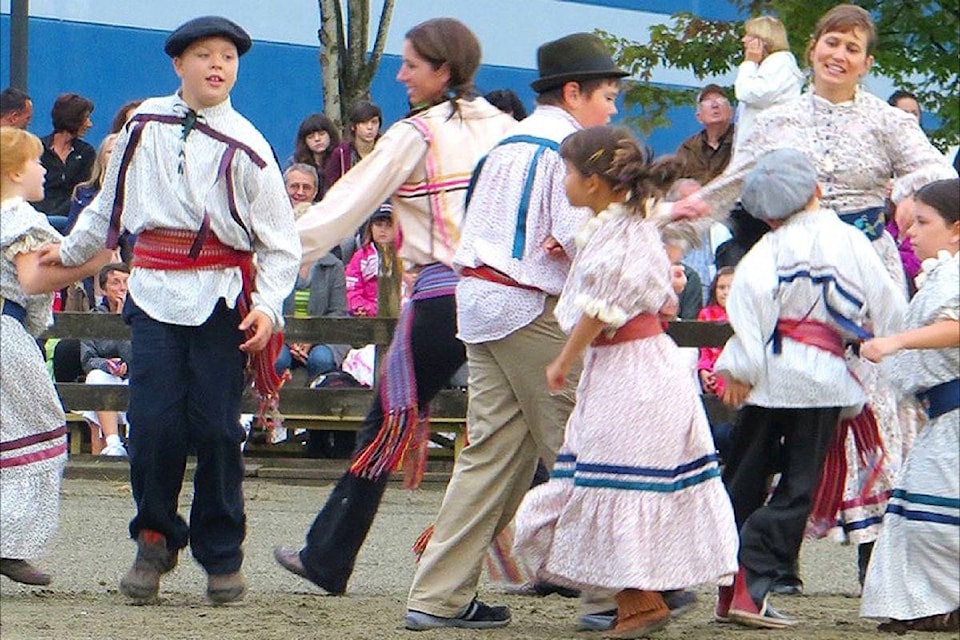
(338, 403)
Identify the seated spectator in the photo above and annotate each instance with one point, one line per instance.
(905, 101)
(706, 153)
(123, 114)
(710, 382)
(508, 102)
(677, 245)
(320, 289)
(16, 108)
(316, 138)
(107, 361)
(361, 272)
(365, 120)
(67, 158)
(700, 258)
(85, 191)
(301, 181)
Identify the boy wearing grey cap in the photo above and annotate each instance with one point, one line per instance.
(803, 293)
(199, 186)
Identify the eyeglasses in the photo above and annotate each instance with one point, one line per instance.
(714, 102)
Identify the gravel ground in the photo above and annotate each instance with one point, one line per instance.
(91, 551)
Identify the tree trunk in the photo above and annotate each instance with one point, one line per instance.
(345, 67)
(331, 42)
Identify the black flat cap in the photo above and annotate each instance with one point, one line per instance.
(206, 27)
(579, 56)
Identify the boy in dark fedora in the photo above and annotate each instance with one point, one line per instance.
(516, 247)
(199, 186)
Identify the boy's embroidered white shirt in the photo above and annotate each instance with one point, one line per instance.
(813, 267)
(158, 195)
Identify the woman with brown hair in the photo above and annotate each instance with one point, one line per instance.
(67, 158)
(423, 165)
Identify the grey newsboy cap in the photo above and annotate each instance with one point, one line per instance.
(206, 27)
(780, 184)
(578, 56)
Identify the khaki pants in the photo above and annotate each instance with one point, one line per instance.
(512, 419)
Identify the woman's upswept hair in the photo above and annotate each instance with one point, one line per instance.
(17, 147)
(615, 155)
(944, 196)
(447, 41)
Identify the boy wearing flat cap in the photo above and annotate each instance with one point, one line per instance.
(803, 293)
(198, 185)
(516, 247)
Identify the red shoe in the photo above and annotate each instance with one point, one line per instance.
(744, 611)
(724, 598)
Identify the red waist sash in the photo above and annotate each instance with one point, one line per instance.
(810, 332)
(645, 325)
(492, 275)
(179, 249)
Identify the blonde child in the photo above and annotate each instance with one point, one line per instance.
(628, 458)
(767, 76)
(923, 515)
(32, 423)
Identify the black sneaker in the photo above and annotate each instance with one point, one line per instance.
(476, 616)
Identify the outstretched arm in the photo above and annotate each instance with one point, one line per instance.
(36, 278)
(939, 335)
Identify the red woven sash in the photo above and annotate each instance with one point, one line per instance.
(828, 497)
(645, 325)
(813, 333)
(492, 275)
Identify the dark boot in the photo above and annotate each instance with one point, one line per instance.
(788, 583)
(142, 581)
(225, 588)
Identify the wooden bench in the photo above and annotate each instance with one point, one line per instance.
(331, 409)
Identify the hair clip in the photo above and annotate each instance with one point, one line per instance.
(596, 155)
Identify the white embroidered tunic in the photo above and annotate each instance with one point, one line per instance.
(813, 267)
(855, 146)
(495, 236)
(171, 182)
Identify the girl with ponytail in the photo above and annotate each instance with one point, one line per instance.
(629, 454)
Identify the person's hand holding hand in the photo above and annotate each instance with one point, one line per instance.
(736, 393)
(877, 349)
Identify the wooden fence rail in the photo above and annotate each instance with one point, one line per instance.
(341, 409)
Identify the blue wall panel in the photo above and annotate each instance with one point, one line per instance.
(279, 83)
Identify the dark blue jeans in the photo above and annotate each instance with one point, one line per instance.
(185, 388)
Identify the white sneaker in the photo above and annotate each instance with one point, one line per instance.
(114, 450)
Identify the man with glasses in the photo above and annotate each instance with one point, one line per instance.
(706, 153)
